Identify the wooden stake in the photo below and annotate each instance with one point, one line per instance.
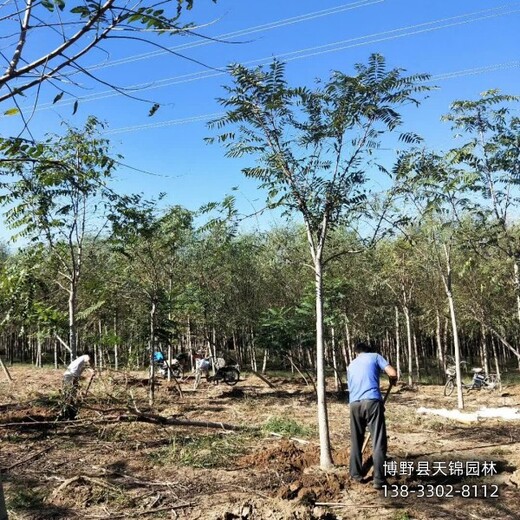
(6, 372)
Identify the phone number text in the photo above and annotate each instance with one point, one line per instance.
(441, 491)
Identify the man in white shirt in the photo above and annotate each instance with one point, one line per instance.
(75, 369)
(71, 376)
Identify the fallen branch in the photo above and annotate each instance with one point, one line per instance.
(339, 505)
(134, 417)
(27, 459)
(77, 478)
(159, 419)
(38, 424)
(139, 513)
(264, 379)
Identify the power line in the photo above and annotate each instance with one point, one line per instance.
(241, 32)
(389, 35)
(206, 117)
(171, 122)
(313, 51)
(477, 70)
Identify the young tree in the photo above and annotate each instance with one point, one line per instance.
(313, 149)
(435, 190)
(490, 160)
(55, 194)
(151, 242)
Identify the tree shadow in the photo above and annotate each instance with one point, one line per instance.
(23, 497)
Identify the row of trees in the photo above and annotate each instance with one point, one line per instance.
(114, 271)
(251, 296)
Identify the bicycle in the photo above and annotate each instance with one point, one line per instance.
(479, 381)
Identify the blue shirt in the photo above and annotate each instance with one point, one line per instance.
(363, 376)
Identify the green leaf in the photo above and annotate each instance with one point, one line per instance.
(82, 10)
(74, 110)
(58, 97)
(12, 112)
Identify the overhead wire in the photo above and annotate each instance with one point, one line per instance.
(313, 51)
(242, 32)
(206, 117)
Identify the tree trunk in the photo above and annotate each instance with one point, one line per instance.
(323, 421)
(409, 344)
(151, 382)
(264, 362)
(73, 338)
(348, 341)
(397, 344)
(6, 372)
(416, 354)
(3, 509)
(446, 278)
(337, 382)
(116, 349)
(38, 348)
(497, 365)
(440, 353)
(517, 288)
(483, 350)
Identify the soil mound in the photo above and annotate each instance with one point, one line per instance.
(285, 457)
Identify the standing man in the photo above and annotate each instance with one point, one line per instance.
(367, 409)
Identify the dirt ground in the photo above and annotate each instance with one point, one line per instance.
(122, 459)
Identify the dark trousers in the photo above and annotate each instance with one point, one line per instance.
(371, 413)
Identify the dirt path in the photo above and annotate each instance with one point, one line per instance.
(107, 464)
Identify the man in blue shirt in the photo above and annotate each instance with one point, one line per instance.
(367, 409)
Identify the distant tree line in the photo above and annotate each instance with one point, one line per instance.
(250, 296)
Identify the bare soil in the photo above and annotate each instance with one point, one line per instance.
(122, 459)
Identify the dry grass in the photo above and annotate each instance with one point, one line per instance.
(101, 466)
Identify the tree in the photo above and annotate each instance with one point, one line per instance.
(56, 196)
(150, 242)
(435, 189)
(490, 161)
(47, 40)
(313, 149)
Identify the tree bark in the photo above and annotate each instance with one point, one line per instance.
(323, 420)
(446, 278)
(397, 344)
(409, 343)
(151, 383)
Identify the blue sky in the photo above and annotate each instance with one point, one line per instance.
(468, 46)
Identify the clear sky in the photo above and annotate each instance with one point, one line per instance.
(468, 46)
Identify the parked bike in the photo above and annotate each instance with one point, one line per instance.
(228, 373)
(175, 366)
(480, 381)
